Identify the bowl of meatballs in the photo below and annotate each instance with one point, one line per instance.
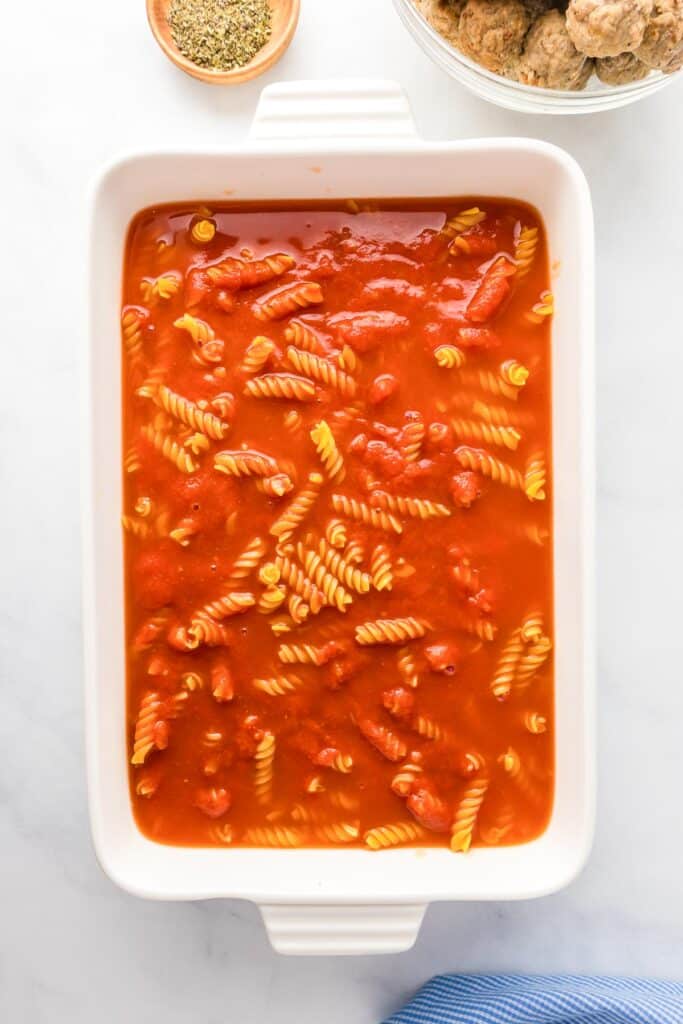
(552, 56)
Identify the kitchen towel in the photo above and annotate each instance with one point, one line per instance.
(550, 999)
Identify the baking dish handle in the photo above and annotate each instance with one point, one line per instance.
(342, 929)
(336, 109)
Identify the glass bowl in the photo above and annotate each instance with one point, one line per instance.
(527, 99)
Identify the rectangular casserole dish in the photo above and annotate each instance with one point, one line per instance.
(318, 141)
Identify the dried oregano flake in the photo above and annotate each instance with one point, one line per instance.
(220, 34)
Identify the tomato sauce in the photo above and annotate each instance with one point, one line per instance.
(419, 578)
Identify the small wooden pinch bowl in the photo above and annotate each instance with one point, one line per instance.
(285, 15)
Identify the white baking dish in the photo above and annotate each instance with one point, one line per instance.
(314, 141)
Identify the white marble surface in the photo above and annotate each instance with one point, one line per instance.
(81, 81)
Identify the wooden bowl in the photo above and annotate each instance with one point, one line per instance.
(285, 18)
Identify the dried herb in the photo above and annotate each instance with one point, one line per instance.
(220, 34)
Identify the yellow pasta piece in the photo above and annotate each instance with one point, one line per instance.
(293, 421)
(427, 728)
(198, 330)
(298, 609)
(132, 463)
(244, 463)
(184, 532)
(532, 660)
(381, 569)
(334, 592)
(288, 300)
(535, 477)
(350, 575)
(322, 370)
(203, 231)
(466, 815)
(300, 583)
(137, 527)
(298, 509)
(535, 722)
(257, 354)
(337, 832)
(525, 250)
(300, 654)
(487, 433)
(402, 782)
(281, 385)
(412, 438)
(169, 448)
(390, 631)
(407, 668)
(502, 416)
(264, 759)
(327, 449)
(163, 287)
(544, 308)
(532, 627)
(192, 681)
(514, 373)
(231, 604)
(151, 726)
(362, 513)
(278, 686)
(490, 466)
(132, 321)
(449, 357)
(302, 336)
(511, 763)
(487, 380)
(501, 684)
(335, 533)
(417, 508)
(384, 836)
(271, 599)
(276, 835)
(463, 221)
(247, 560)
(348, 360)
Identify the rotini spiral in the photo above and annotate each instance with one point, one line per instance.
(532, 627)
(247, 560)
(412, 439)
(487, 433)
(381, 569)
(512, 765)
(189, 413)
(151, 726)
(542, 309)
(132, 463)
(327, 449)
(337, 832)
(297, 579)
(300, 654)
(198, 330)
(297, 608)
(302, 336)
(535, 477)
(170, 449)
(244, 463)
(417, 508)
(348, 359)
(503, 677)
(535, 722)
(297, 510)
(502, 416)
(362, 513)
(407, 668)
(514, 373)
(264, 760)
(402, 782)
(137, 527)
(354, 551)
(288, 299)
(279, 685)
(227, 606)
(467, 814)
(203, 231)
(163, 287)
(276, 835)
(207, 631)
(427, 728)
(293, 421)
(133, 319)
(336, 533)
(257, 354)
(322, 370)
(462, 221)
(384, 740)
(390, 631)
(488, 380)
(385, 836)
(184, 532)
(334, 592)
(525, 250)
(340, 566)
(281, 385)
(532, 660)
(234, 273)
(449, 357)
(488, 465)
(271, 599)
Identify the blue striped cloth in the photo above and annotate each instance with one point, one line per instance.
(567, 999)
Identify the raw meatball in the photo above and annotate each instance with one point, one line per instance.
(662, 45)
(443, 16)
(620, 70)
(550, 58)
(606, 28)
(492, 33)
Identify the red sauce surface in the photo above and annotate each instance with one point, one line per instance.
(392, 292)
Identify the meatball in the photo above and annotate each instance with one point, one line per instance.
(492, 33)
(620, 70)
(662, 45)
(550, 59)
(443, 16)
(606, 28)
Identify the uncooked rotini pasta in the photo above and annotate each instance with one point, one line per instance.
(170, 449)
(288, 299)
(362, 513)
(390, 631)
(327, 449)
(328, 568)
(281, 386)
(322, 370)
(449, 357)
(463, 221)
(486, 433)
(398, 834)
(416, 508)
(467, 813)
(541, 310)
(381, 568)
(298, 509)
